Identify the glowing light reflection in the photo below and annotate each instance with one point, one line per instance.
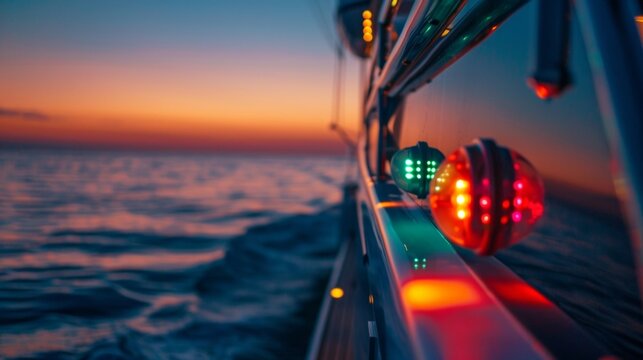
(390, 204)
(438, 294)
(521, 293)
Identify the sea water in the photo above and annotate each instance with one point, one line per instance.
(152, 256)
(126, 255)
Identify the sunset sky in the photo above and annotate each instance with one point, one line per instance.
(169, 75)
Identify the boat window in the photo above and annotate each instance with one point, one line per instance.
(580, 255)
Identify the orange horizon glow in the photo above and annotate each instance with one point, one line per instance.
(171, 95)
(226, 108)
(168, 134)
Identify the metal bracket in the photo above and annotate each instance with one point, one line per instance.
(551, 76)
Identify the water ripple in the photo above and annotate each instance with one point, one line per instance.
(117, 255)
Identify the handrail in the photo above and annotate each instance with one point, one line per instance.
(475, 26)
(427, 21)
(416, 58)
(322, 317)
(419, 38)
(459, 298)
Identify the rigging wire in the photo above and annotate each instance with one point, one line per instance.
(338, 91)
(339, 66)
(325, 28)
(338, 78)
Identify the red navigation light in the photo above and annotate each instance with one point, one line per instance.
(486, 197)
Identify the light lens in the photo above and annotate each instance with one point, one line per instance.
(448, 189)
(486, 197)
(414, 167)
(529, 192)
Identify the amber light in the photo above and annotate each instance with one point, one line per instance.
(367, 26)
(486, 197)
(337, 293)
(438, 294)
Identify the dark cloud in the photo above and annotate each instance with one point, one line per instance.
(23, 115)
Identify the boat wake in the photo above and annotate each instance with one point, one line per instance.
(255, 297)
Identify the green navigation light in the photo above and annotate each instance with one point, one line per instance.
(414, 167)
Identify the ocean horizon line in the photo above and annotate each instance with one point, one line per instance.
(340, 152)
